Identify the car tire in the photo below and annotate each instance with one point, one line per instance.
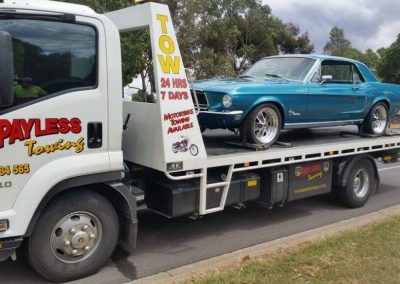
(360, 183)
(88, 222)
(377, 120)
(263, 125)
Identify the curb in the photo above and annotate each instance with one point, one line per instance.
(187, 272)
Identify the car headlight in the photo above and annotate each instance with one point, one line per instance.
(227, 101)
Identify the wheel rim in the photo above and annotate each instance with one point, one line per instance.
(76, 237)
(361, 183)
(266, 125)
(379, 119)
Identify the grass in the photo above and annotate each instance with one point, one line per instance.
(367, 255)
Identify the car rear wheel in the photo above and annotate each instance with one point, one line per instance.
(377, 120)
(263, 125)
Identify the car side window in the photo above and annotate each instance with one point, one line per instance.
(357, 77)
(341, 72)
(51, 57)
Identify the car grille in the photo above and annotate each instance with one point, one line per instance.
(202, 99)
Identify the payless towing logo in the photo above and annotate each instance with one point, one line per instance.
(25, 130)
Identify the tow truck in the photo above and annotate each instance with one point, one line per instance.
(77, 162)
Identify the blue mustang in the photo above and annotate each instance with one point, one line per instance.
(297, 91)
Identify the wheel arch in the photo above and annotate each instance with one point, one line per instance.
(270, 100)
(381, 100)
(343, 168)
(107, 185)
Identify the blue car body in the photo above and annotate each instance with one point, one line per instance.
(303, 104)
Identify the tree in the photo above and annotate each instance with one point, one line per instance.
(388, 68)
(338, 44)
(217, 38)
(291, 40)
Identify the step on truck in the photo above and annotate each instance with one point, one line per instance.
(76, 160)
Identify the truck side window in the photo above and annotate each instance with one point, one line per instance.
(51, 57)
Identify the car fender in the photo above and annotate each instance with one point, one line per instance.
(266, 99)
(380, 99)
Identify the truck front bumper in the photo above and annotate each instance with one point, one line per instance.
(8, 247)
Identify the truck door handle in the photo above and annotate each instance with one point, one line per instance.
(95, 135)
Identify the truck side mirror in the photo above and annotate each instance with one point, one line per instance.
(6, 70)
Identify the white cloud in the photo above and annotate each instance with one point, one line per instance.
(367, 23)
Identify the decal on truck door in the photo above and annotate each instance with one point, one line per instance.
(25, 130)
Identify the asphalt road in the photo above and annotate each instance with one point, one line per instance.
(165, 244)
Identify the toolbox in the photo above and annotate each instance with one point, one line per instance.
(274, 186)
(172, 198)
(180, 198)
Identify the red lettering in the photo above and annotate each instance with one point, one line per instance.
(75, 125)
(21, 129)
(16, 132)
(63, 125)
(5, 130)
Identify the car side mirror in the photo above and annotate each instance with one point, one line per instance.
(326, 79)
(6, 70)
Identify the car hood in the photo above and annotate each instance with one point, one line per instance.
(240, 85)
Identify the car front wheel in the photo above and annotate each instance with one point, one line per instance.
(377, 120)
(263, 125)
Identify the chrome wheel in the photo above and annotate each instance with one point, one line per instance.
(361, 183)
(379, 119)
(266, 125)
(76, 237)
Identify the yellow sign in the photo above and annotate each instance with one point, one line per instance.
(252, 183)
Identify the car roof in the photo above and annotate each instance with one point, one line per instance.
(317, 57)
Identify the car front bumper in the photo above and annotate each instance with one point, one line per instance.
(213, 119)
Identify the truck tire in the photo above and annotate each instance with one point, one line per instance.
(360, 183)
(263, 125)
(377, 120)
(74, 237)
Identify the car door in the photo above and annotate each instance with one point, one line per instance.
(336, 93)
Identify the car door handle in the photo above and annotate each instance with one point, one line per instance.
(356, 89)
(95, 135)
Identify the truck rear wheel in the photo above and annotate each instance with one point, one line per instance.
(74, 237)
(359, 185)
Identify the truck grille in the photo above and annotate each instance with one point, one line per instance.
(202, 98)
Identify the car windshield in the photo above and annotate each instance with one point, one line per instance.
(286, 68)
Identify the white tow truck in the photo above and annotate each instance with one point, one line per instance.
(76, 160)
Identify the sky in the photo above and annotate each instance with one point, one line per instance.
(367, 23)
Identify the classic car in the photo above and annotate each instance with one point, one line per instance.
(297, 91)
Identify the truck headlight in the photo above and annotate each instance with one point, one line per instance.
(227, 101)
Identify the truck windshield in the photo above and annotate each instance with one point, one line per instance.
(51, 57)
(287, 68)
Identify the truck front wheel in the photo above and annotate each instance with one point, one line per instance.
(74, 237)
(360, 183)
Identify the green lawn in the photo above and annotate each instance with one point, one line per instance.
(367, 255)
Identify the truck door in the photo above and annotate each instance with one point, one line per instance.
(57, 127)
(339, 98)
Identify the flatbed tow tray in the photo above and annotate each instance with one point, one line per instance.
(309, 144)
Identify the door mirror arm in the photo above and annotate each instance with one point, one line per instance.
(326, 79)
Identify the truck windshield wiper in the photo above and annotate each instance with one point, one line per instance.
(276, 76)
